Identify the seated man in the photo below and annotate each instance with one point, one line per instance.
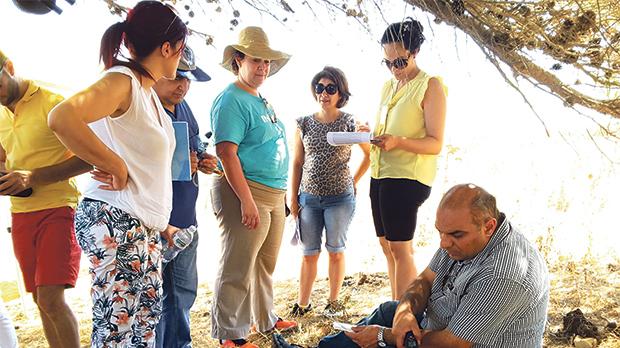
(487, 286)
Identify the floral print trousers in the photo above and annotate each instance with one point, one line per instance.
(125, 265)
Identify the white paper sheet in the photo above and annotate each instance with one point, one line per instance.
(348, 138)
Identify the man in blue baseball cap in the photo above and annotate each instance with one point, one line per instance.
(180, 276)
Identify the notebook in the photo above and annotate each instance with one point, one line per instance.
(181, 166)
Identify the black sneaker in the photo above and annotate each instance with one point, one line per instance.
(334, 308)
(298, 311)
(277, 341)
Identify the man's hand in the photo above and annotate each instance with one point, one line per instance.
(15, 182)
(208, 164)
(168, 233)
(364, 336)
(405, 321)
(193, 161)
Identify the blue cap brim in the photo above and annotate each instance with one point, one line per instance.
(194, 75)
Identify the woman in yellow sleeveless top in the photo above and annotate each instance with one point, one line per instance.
(408, 136)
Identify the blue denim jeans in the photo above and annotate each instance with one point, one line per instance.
(382, 316)
(180, 284)
(330, 213)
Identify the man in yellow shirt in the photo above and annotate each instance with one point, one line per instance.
(31, 157)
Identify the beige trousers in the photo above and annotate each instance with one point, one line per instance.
(243, 287)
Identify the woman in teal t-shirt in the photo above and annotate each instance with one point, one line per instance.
(249, 199)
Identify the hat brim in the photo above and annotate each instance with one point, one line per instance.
(278, 59)
(195, 75)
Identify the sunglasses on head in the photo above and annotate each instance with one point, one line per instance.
(398, 63)
(331, 89)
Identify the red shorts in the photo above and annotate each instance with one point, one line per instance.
(45, 247)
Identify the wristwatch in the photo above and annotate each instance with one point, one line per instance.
(380, 341)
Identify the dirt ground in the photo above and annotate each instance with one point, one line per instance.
(584, 284)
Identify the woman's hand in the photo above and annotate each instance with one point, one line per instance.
(386, 142)
(111, 182)
(294, 208)
(359, 127)
(249, 214)
(168, 233)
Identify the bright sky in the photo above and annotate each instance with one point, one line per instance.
(492, 137)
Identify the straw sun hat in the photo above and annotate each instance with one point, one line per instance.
(253, 42)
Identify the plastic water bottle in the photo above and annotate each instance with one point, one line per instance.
(182, 238)
(410, 341)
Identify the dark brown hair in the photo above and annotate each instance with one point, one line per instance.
(336, 75)
(407, 32)
(148, 25)
(233, 63)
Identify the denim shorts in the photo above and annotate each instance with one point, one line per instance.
(330, 213)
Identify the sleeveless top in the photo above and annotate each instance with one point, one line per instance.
(401, 114)
(144, 138)
(326, 168)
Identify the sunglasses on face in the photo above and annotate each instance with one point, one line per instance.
(331, 89)
(398, 63)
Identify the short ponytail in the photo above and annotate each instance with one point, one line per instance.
(111, 44)
(148, 25)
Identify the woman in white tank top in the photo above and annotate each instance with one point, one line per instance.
(119, 126)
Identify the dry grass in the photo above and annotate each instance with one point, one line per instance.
(584, 283)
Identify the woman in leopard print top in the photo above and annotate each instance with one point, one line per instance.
(322, 185)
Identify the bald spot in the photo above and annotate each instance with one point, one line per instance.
(460, 196)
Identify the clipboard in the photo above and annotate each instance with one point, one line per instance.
(181, 165)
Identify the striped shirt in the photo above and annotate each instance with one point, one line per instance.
(497, 299)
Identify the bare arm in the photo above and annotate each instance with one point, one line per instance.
(18, 180)
(361, 170)
(111, 95)
(2, 159)
(298, 163)
(413, 302)
(434, 106)
(69, 168)
(227, 152)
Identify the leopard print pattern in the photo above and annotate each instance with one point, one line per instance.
(325, 171)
